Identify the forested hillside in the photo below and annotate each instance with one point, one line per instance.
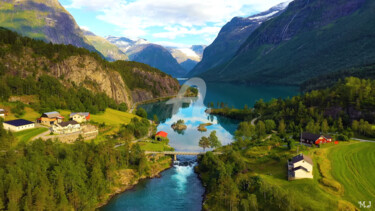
(311, 38)
(64, 76)
(250, 174)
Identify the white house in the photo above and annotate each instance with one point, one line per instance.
(18, 125)
(300, 167)
(66, 127)
(3, 112)
(80, 117)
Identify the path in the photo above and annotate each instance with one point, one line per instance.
(41, 135)
(363, 140)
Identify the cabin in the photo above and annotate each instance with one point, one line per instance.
(161, 135)
(300, 167)
(80, 117)
(310, 138)
(50, 118)
(66, 127)
(3, 113)
(18, 125)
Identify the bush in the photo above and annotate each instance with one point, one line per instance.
(141, 112)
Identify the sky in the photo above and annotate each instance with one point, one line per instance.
(177, 23)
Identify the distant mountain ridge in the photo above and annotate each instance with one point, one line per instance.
(231, 37)
(46, 20)
(311, 38)
(188, 57)
(152, 54)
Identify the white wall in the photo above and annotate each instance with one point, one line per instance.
(19, 128)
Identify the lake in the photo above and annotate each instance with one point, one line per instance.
(179, 187)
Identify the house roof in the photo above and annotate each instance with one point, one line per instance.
(300, 167)
(310, 136)
(162, 134)
(327, 136)
(18, 122)
(64, 124)
(302, 157)
(80, 113)
(53, 114)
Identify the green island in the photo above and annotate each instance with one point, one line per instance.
(179, 125)
(202, 127)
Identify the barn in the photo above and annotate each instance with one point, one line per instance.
(310, 138)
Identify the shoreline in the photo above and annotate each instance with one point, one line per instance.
(123, 188)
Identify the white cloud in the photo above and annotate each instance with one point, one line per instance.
(177, 17)
(85, 28)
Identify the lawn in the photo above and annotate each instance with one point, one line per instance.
(154, 146)
(353, 167)
(112, 117)
(26, 135)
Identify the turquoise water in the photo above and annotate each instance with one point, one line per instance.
(179, 187)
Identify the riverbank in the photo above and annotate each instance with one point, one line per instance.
(127, 179)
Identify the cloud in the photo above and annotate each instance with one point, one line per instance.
(177, 18)
(85, 28)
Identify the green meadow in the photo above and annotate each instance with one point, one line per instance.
(27, 135)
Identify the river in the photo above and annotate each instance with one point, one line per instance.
(179, 188)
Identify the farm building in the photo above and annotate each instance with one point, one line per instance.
(50, 118)
(161, 135)
(3, 112)
(300, 167)
(310, 138)
(18, 125)
(80, 117)
(66, 127)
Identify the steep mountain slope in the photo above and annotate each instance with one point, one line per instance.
(110, 51)
(122, 42)
(46, 20)
(158, 57)
(232, 36)
(125, 82)
(311, 38)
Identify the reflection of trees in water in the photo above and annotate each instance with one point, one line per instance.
(228, 124)
(162, 110)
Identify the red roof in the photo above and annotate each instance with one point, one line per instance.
(162, 134)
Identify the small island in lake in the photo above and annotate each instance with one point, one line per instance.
(179, 125)
(202, 127)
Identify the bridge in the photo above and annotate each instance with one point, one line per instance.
(175, 153)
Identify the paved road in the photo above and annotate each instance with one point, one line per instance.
(41, 135)
(363, 140)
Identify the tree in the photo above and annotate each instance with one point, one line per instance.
(123, 107)
(214, 141)
(325, 127)
(261, 129)
(270, 125)
(141, 112)
(290, 143)
(281, 127)
(204, 142)
(155, 119)
(340, 125)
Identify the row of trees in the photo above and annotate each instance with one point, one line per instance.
(212, 141)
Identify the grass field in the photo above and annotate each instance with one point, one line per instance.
(112, 117)
(353, 167)
(154, 146)
(26, 135)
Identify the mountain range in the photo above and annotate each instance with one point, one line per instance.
(309, 39)
(232, 36)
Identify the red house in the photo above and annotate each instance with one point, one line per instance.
(161, 135)
(310, 138)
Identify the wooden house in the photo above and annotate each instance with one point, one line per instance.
(300, 167)
(310, 138)
(50, 118)
(161, 135)
(80, 117)
(66, 127)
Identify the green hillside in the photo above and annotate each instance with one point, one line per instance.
(309, 39)
(110, 51)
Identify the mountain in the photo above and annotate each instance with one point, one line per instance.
(152, 54)
(110, 51)
(24, 62)
(231, 37)
(311, 38)
(46, 20)
(188, 57)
